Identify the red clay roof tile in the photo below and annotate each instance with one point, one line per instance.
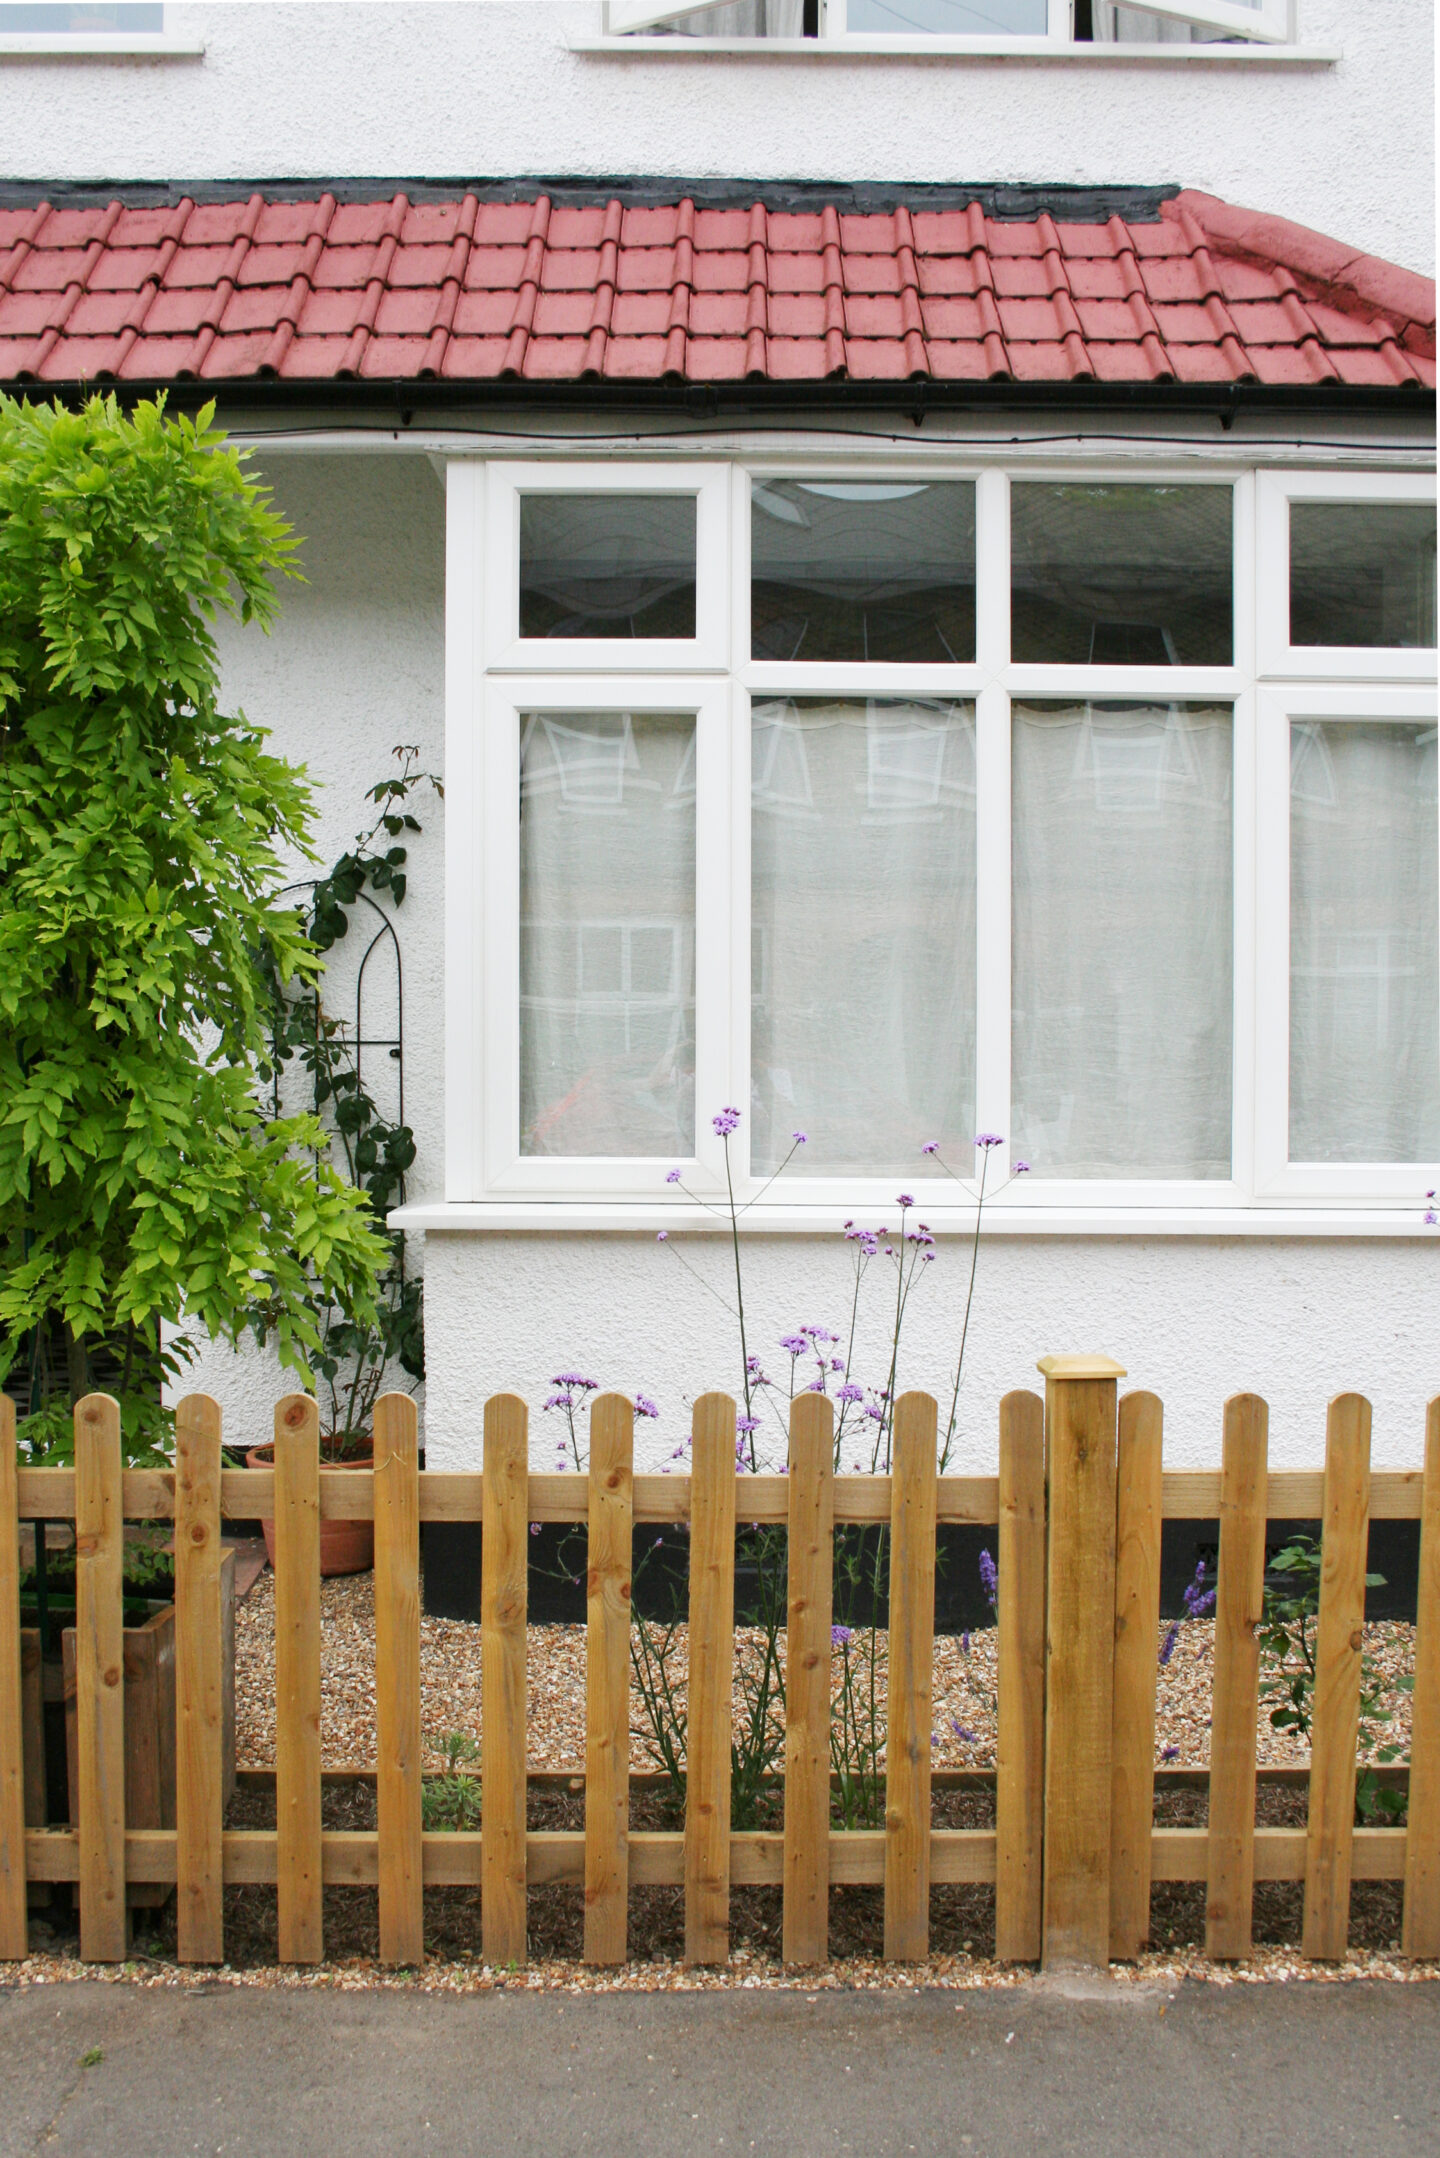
(389, 289)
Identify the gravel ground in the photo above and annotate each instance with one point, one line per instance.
(964, 1687)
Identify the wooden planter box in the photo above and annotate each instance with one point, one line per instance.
(149, 1720)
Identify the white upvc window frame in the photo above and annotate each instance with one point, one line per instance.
(505, 647)
(1328, 663)
(487, 691)
(1272, 23)
(1277, 1178)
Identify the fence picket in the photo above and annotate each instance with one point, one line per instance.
(811, 1560)
(297, 1679)
(1421, 1932)
(1239, 1606)
(504, 1554)
(607, 1679)
(1335, 1713)
(910, 1685)
(1020, 1738)
(397, 1679)
(14, 1938)
(100, 1679)
(199, 1686)
(711, 1681)
(1137, 1613)
(1080, 1448)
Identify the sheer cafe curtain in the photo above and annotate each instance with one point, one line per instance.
(863, 932)
(607, 933)
(1364, 965)
(1121, 966)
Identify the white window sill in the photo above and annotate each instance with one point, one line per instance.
(151, 45)
(953, 48)
(645, 1217)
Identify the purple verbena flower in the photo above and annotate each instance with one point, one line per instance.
(573, 1378)
(794, 1344)
(673, 1177)
(905, 1199)
(837, 1363)
(725, 1122)
(1020, 1168)
(663, 1237)
(931, 1146)
(989, 1138)
(747, 1423)
(534, 1528)
(819, 1333)
(799, 1137)
(644, 1406)
(850, 1392)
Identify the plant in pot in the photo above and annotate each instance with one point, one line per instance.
(318, 1055)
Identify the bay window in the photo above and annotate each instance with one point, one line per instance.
(894, 799)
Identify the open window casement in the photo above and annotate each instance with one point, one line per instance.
(1267, 22)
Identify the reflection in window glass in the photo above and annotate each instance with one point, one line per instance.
(863, 570)
(1121, 1047)
(607, 933)
(598, 565)
(1123, 576)
(81, 18)
(1362, 573)
(946, 18)
(1364, 964)
(735, 18)
(863, 931)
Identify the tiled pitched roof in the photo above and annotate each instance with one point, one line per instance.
(473, 291)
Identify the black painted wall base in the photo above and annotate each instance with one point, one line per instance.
(660, 1566)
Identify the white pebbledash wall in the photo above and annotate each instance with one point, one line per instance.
(355, 666)
(320, 91)
(315, 91)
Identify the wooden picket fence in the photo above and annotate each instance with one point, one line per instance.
(1077, 1503)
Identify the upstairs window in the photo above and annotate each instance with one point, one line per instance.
(881, 24)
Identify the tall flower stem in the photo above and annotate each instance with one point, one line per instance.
(739, 1297)
(969, 1300)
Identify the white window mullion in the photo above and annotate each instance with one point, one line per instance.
(464, 872)
(1243, 916)
(992, 926)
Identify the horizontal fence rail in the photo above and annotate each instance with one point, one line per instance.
(1077, 1503)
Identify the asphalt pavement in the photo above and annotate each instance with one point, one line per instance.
(1093, 2067)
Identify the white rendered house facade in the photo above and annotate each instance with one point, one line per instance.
(900, 738)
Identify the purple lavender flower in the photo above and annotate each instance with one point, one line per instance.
(644, 1406)
(673, 1177)
(989, 1138)
(960, 1731)
(839, 1635)
(726, 1122)
(965, 1644)
(1199, 1601)
(1167, 1646)
(989, 1579)
(1169, 1753)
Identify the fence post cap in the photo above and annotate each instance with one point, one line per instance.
(1080, 1366)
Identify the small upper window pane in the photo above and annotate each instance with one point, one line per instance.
(1362, 573)
(1122, 576)
(852, 570)
(118, 18)
(947, 18)
(607, 565)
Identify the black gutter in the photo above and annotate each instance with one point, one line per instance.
(1004, 201)
(399, 403)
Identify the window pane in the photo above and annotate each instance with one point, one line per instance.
(947, 18)
(81, 18)
(1364, 967)
(594, 565)
(736, 18)
(1121, 576)
(862, 570)
(1121, 938)
(1362, 573)
(863, 931)
(607, 933)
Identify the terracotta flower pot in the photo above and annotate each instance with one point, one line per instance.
(346, 1547)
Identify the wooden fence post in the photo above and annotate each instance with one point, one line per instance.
(1421, 1933)
(297, 1680)
(100, 1678)
(1239, 1607)
(910, 1686)
(1020, 1620)
(199, 1686)
(504, 1562)
(1137, 1615)
(712, 1681)
(397, 1680)
(805, 1930)
(607, 1680)
(14, 1937)
(1335, 1710)
(1080, 1450)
